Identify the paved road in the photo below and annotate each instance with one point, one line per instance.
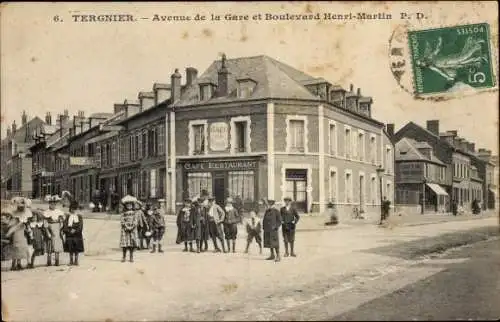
(464, 284)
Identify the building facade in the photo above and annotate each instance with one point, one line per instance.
(253, 128)
(16, 162)
(420, 178)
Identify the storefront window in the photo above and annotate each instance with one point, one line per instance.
(198, 182)
(241, 183)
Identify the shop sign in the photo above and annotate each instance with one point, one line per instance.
(83, 161)
(220, 165)
(219, 136)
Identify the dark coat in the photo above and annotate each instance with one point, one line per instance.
(271, 224)
(73, 242)
(289, 217)
(185, 225)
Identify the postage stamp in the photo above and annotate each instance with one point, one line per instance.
(451, 59)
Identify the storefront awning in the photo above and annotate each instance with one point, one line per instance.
(437, 189)
(492, 191)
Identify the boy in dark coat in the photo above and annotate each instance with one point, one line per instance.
(186, 225)
(158, 228)
(289, 218)
(271, 224)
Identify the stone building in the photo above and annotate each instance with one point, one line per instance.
(16, 163)
(254, 128)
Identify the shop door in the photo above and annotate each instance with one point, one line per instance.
(296, 188)
(219, 188)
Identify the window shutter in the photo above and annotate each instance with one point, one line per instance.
(98, 155)
(113, 154)
(354, 138)
(161, 139)
(140, 145)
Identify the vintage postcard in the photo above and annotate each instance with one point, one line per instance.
(165, 161)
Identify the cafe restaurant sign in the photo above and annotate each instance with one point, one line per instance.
(220, 165)
(219, 136)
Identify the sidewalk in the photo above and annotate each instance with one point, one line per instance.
(187, 286)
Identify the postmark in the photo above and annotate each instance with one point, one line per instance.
(443, 63)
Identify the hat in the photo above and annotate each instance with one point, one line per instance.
(210, 198)
(53, 199)
(187, 200)
(73, 205)
(271, 202)
(229, 200)
(128, 199)
(287, 199)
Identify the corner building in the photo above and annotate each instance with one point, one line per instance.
(255, 128)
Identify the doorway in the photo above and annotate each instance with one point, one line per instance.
(219, 188)
(296, 188)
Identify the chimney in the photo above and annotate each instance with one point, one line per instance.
(131, 108)
(14, 127)
(222, 84)
(24, 118)
(176, 85)
(433, 126)
(81, 114)
(351, 88)
(162, 92)
(452, 133)
(48, 118)
(118, 108)
(472, 147)
(390, 129)
(146, 100)
(464, 145)
(191, 74)
(359, 92)
(8, 132)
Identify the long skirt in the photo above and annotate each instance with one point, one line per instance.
(74, 243)
(128, 238)
(215, 231)
(271, 239)
(55, 244)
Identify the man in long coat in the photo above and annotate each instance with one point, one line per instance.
(271, 224)
(290, 218)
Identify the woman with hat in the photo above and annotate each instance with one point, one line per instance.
(231, 224)
(21, 209)
(128, 235)
(186, 225)
(53, 235)
(73, 228)
(19, 234)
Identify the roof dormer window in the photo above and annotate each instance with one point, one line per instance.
(207, 91)
(245, 87)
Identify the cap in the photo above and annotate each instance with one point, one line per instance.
(287, 199)
(271, 202)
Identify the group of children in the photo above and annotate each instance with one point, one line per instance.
(28, 233)
(140, 224)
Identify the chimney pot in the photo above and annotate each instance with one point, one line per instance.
(176, 85)
(351, 88)
(48, 118)
(390, 129)
(14, 127)
(222, 84)
(24, 118)
(359, 91)
(433, 126)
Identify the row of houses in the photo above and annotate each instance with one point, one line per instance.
(250, 127)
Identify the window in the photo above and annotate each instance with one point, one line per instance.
(333, 185)
(160, 138)
(198, 181)
(241, 183)
(240, 128)
(104, 155)
(373, 150)
(205, 92)
(245, 88)
(296, 135)
(347, 143)
(387, 192)
(199, 138)
(333, 139)
(152, 192)
(132, 147)
(144, 144)
(113, 154)
(361, 146)
(348, 187)
(388, 159)
(139, 147)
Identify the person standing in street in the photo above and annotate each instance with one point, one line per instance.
(128, 233)
(386, 207)
(289, 218)
(157, 228)
(271, 224)
(231, 224)
(37, 231)
(73, 233)
(254, 229)
(53, 231)
(205, 233)
(197, 223)
(331, 213)
(186, 225)
(454, 207)
(216, 217)
(142, 225)
(19, 235)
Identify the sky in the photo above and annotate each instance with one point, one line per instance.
(89, 66)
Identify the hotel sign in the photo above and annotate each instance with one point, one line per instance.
(220, 165)
(219, 136)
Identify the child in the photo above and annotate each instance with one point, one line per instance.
(158, 228)
(253, 231)
(73, 228)
(38, 240)
(128, 236)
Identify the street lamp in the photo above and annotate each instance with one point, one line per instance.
(423, 194)
(380, 172)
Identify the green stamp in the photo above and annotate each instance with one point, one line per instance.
(451, 59)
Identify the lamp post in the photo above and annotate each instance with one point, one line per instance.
(423, 194)
(380, 172)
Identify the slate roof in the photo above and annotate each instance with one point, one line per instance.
(274, 80)
(407, 150)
